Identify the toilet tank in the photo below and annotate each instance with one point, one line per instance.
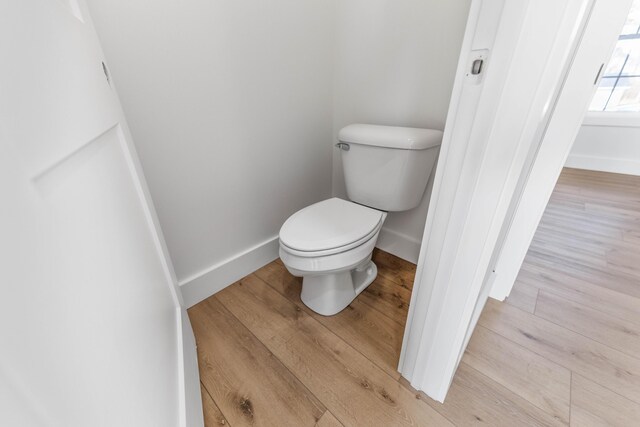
(388, 167)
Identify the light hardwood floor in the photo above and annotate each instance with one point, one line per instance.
(563, 350)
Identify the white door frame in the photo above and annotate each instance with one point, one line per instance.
(491, 136)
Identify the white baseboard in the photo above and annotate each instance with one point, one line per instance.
(219, 276)
(604, 164)
(191, 414)
(398, 244)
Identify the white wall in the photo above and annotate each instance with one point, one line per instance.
(230, 105)
(395, 65)
(234, 107)
(608, 142)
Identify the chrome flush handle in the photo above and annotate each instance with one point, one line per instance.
(343, 146)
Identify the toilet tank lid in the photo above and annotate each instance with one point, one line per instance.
(402, 138)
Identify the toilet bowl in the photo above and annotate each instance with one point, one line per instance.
(329, 244)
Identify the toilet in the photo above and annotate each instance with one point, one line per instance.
(329, 244)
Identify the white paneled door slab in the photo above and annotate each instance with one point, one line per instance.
(92, 331)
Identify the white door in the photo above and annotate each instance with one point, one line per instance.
(541, 59)
(91, 325)
(539, 177)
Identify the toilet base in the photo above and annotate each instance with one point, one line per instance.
(329, 294)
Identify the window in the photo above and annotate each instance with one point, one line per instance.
(619, 89)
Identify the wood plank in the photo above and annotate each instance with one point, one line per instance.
(624, 260)
(523, 296)
(575, 256)
(591, 175)
(593, 243)
(352, 387)
(591, 224)
(328, 420)
(248, 384)
(474, 399)
(545, 384)
(601, 208)
(596, 192)
(609, 192)
(566, 202)
(377, 337)
(388, 298)
(618, 281)
(583, 242)
(613, 211)
(586, 357)
(594, 405)
(598, 175)
(602, 190)
(600, 184)
(212, 414)
(580, 291)
(571, 252)
(555, 221)
(632, 236)
(597, 325)
(604, 217)
(394, 268)
(577, 228)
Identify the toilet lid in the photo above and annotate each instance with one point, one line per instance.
(329, 224)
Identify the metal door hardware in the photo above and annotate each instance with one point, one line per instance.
(476, 67)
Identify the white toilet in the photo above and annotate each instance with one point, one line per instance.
(329, 244)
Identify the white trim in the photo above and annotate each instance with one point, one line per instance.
(191, 413)
(604, 164)
(189, 400)
(414, 333)
(399, 244)
(613, 119)
(149, 209)
(217, 277)
(182, 372)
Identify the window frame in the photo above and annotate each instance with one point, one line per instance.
(603, 117)
(628, 119)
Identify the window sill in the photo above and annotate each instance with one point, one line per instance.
(613, 119)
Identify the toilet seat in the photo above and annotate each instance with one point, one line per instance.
(329, 227)
(329, 245)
